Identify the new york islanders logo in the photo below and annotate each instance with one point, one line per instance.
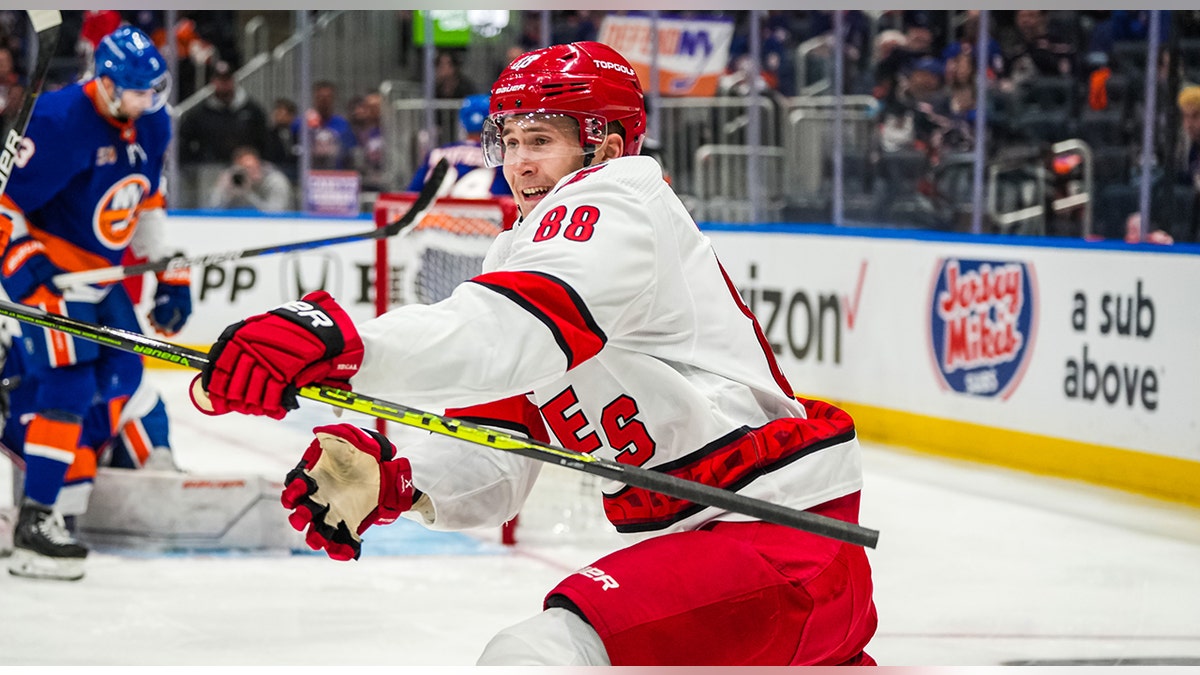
(982, 322)
(115, 218)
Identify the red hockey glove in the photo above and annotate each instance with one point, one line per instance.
(348, 480)
(257, 365)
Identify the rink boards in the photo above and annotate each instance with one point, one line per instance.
(1063, 357)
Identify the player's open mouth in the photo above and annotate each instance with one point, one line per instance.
(534, 193)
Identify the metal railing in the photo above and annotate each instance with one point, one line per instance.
(403, 125)
(723, 181)
(686, 124)
(270, 75)
(1017, 191)
(793, 136)
(812, 54)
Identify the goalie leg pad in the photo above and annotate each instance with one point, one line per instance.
(166, 511)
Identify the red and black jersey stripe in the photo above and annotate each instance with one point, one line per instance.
(516, 414)
(553, 302)
(731, 462)
(776, 371)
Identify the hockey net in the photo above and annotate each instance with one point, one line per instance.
(423, 266)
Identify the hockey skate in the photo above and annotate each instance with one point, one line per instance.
(43, 548)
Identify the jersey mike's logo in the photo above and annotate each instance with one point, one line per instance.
(115, 219)
(982, 322)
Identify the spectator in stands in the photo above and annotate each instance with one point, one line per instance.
(331, 140)
(1188, 102)
(881, 81)
(1189, 116)
(1134, 25)
(958, 106)
(1032, 49)
(918, 38)
(251, 183)
(151, 22)
(10, 104)
(967, 40)
(1188, 174)
(195, 53)
(933, 22)
(226, 119)
(96, 24)
(913, 125)
(449, 80)
(512, 54)
(896, 56)
(9, 78)
(8, 67)
(926, 80)
(575, 26)
(531, 34)
(475, 179)
(366, 114)
(913, 117)
(281, 139)
(774, 42)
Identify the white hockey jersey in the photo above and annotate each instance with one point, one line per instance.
(607, 309)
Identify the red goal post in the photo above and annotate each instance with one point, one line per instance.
(424, 265)
(443, 250)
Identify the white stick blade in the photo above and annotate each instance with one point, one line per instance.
(44, 18)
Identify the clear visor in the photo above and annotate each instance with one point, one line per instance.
(508, 138)
(143, 101)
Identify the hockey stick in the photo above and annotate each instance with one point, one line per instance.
(46, 22)
(440, 173)
(672, 486)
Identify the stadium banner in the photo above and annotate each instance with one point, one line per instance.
(692, 53)
(333, 193)
(1073, 360)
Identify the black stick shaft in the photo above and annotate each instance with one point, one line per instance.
(46, 23)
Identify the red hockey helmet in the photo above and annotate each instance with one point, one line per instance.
(588, 81)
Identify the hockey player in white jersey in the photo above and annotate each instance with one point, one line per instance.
(603, 322)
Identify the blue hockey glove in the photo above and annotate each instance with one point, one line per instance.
(172, 301)
(28, 274)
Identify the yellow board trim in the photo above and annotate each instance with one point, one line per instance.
(1168, 478)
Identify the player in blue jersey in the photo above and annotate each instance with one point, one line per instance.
(87, 186)
(475, 180)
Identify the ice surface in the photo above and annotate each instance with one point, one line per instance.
(975, 566)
